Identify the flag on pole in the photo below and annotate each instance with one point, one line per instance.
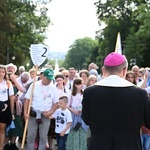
(118, 47)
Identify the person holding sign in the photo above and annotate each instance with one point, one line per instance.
(115, 109)
(43, 105)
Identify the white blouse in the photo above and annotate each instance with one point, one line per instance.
(76, 101)
(3, 90)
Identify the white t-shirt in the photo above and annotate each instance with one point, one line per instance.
(20, 82)
(139, 84)
(3, 90)
(68, 86)
(43, 96)
(62, 118)
(76, 101)
(32, 79)
(67, 93)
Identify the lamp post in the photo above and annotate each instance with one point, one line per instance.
(7, 54)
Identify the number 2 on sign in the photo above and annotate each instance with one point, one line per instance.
(43, 55)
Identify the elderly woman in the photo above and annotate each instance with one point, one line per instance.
(84, 74)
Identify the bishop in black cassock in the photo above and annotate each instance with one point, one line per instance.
(115, 109)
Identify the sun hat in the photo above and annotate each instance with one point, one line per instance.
(12, 65)
(49, 74)
(114, 59)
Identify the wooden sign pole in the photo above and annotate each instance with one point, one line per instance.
(29, 107)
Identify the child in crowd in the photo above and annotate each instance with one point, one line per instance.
(63, 122)
(78, 134)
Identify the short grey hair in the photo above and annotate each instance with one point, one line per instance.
(21, 68)
(25, 75)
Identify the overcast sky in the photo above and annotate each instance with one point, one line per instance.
(72, 19)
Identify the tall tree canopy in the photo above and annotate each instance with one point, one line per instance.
(79, 53)
(22, 24)
(131, 19)
(137, 43)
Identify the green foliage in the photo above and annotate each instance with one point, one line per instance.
(132, 20)
(78, 55)
(137, 43)
(23, 24)
(60, 62)
(51, 62)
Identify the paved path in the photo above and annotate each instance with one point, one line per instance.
(53, 148)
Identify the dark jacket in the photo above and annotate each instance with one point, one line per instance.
(115, 116)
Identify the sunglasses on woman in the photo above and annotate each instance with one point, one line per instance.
(66, 76)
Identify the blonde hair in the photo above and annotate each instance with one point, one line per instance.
(65, 71)
(92, 76)
(32, 70)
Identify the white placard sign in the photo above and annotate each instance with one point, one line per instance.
(39, 53)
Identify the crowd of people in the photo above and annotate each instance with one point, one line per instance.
(80, 109)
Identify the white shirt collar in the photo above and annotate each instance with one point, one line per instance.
(114, 81)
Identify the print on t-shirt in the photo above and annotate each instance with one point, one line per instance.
(60, 120)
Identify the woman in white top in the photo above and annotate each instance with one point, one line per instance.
(78, 133)
(7, 97)
(62, 90)
(84, 74)
(67, 84)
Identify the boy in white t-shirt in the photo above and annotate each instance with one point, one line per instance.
(63, 122)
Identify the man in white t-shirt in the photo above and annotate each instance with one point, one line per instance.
(43, 105)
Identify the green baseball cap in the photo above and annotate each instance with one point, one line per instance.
(49, 74)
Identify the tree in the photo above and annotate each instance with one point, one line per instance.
(137, 43)
(117, 16)
(123, 16)
(6, 25)
(27, 25)
(78, 53)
